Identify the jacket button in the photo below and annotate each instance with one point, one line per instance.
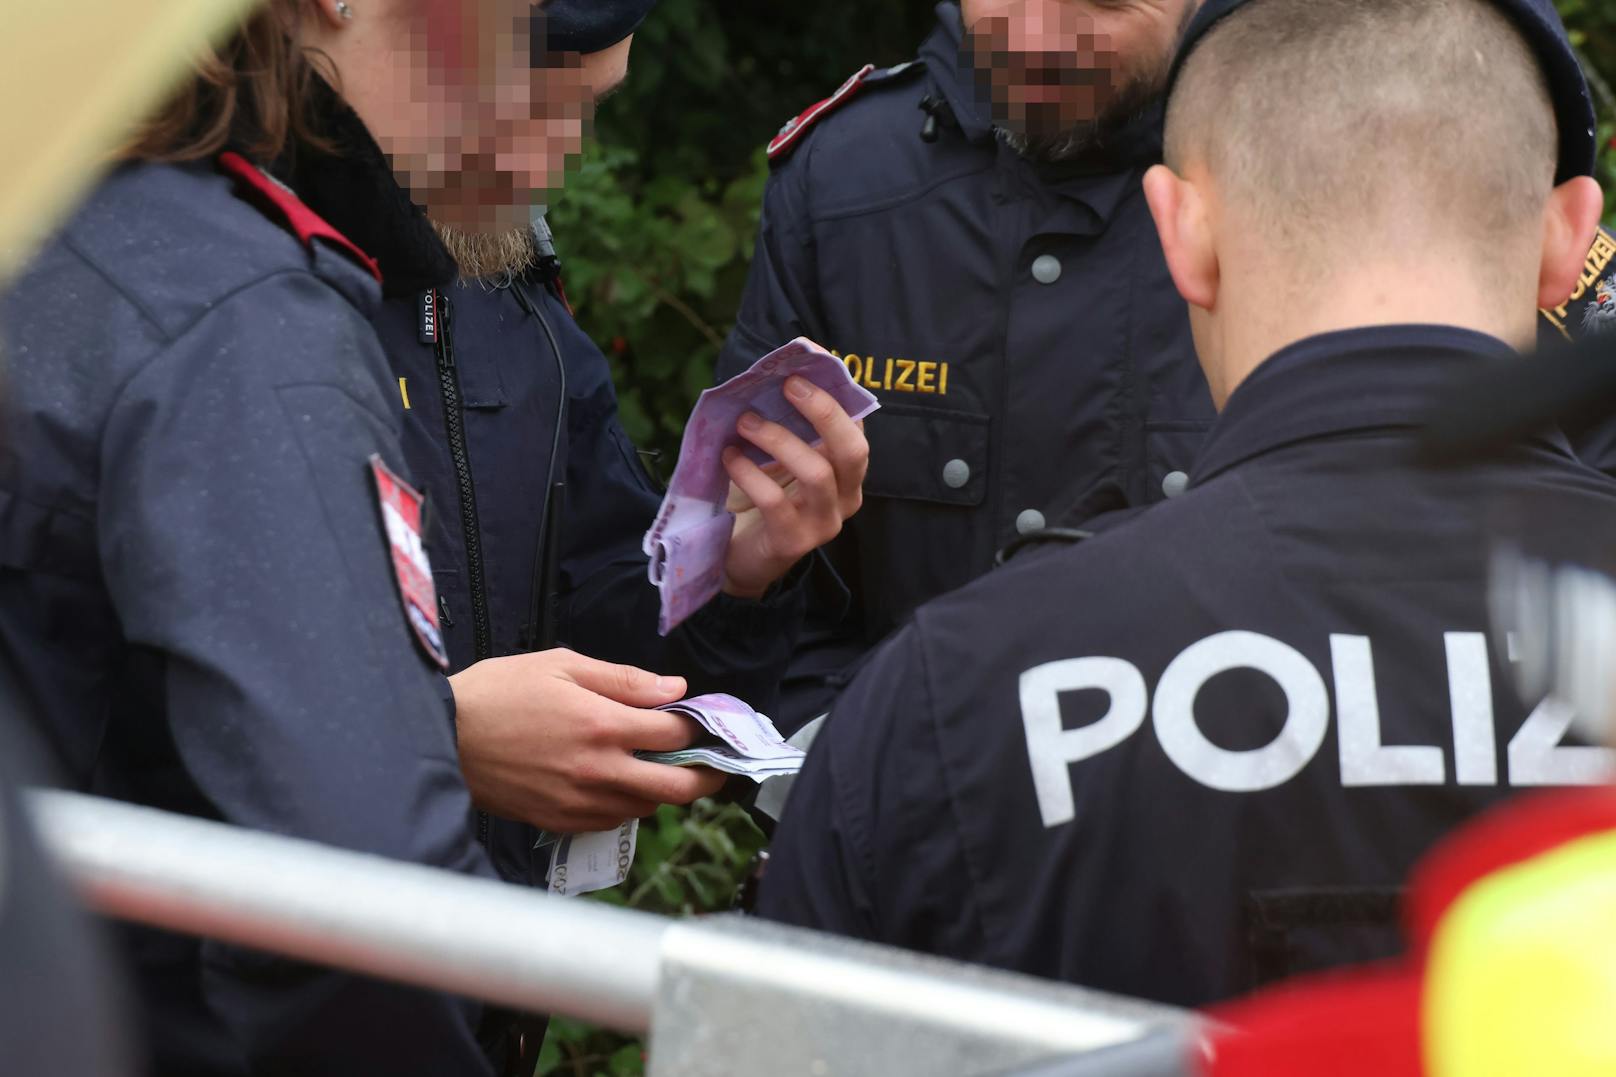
(1046, 269)
(1029, 521)
(1175, 483)
(956, 473)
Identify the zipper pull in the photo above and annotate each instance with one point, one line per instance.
(443, 612)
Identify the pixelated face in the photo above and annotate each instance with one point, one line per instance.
(476, 131)
(1054, 68)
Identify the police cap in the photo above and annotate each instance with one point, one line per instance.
(586, 26)
(1540, 25)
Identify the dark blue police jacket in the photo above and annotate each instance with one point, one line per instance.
(478, 373)
(1201, 749)
(1032, 356)
(197, 597)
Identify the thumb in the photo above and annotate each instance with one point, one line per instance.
(629, 685)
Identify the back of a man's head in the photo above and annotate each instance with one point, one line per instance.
(1346, 131)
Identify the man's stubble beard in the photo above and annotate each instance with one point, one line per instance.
(1092, 136)
(498, 257)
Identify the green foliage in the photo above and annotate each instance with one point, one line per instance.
(688, 862)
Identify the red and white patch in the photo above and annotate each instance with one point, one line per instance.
(400, 505)
(797, 127)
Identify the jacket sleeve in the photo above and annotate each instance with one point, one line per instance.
(242, 546)
(867, 847)
(781, 301)
(1591, 311)
(608, 605)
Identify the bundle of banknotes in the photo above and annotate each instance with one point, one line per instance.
(689, 541)
(738, 740)
(741, 741)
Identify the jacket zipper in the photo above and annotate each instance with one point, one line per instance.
(471, 528)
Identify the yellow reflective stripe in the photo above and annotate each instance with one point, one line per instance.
(1522, 970)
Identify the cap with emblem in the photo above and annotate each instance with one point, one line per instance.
(586, 26)
(1540, 25)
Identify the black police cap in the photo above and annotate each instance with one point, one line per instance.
(1540, 25)
(586, 25)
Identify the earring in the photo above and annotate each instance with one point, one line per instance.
(343, 10)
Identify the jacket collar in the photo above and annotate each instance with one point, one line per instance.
(357, 194)
(1385, 377)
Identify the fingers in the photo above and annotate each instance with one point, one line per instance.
(844, 444)
(672, 785)
(628, 685)
(658, 731)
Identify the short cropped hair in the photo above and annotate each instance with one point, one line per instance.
(1334, 123)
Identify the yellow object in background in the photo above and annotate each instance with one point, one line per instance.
(1522, 971)
(74, 76)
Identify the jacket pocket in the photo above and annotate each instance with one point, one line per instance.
(928, 454)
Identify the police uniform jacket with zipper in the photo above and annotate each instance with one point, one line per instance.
(477, 386)
(1017, 322)
(197, 596)
(1202, 749)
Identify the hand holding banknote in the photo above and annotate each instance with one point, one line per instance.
(799, 503)
(550, 739)
(772, 462)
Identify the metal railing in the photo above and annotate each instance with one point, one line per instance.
(722, 995)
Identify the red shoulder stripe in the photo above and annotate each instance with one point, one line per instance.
(306, 224)
(1518, 831)
(795, 128)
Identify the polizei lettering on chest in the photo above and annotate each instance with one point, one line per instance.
(897, 375)
(1535, 755)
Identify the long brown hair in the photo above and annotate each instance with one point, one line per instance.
(253, 93)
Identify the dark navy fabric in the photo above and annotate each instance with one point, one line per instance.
(478, 396)
(585, 26)
(1085, 766)
(905, 255)
(197, 598)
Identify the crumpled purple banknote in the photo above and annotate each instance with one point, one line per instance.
(689, 541)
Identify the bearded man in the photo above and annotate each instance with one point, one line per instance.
(968, 231)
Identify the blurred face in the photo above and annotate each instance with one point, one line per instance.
(1062, 74)
(473, 130)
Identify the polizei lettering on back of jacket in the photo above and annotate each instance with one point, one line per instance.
(1535, 754)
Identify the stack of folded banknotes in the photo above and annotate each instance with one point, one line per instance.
(739, 740)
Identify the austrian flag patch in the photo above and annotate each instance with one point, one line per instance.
(400, 505)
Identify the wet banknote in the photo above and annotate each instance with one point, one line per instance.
(581, 863)
(688, 542)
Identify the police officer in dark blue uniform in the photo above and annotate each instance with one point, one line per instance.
(212, 595)
(987, 267)
(1200, 749)
(539, 499)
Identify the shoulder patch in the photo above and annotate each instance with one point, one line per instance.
(303, 222)
(791, 134)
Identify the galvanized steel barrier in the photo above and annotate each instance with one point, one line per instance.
(718, 996)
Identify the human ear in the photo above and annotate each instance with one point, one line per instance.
(1182, 224)
(1570, 221)
(335, 14)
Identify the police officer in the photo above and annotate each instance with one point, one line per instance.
(987, 266)
(1203, 748)
(540, 502)
(212, 592)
